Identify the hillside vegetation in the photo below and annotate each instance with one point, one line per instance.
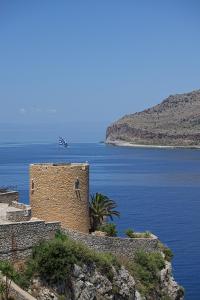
(62, 269)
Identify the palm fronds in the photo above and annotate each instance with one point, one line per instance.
(101, 207)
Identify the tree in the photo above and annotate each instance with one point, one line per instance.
(101, 207)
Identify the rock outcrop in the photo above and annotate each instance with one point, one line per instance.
(173, 122)
(87, 283)
(168, 285)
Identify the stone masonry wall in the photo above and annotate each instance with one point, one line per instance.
(20, 205)
(17, 239)
(19, 215)
(54, 197)
(9, 197)
(125, 247)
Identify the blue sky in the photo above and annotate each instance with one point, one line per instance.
(72, 67)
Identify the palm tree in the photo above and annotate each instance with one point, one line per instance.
(101, 207)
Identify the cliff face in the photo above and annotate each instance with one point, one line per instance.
(87, 283)
(173, 122)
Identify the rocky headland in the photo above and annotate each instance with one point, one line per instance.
(87, 283)
(175, 122)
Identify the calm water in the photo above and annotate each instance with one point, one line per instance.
(156, 190)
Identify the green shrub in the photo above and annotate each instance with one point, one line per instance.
(152, 262)
(8, 271)
(129, 232)
(24, 276)
(20, 278)
(105, 262)
(109, 228)
(147, 234)
(167, 252)
(2, 288)
(60, 235)
(54, 261)
(145, 269)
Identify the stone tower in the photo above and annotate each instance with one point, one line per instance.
(60, 192)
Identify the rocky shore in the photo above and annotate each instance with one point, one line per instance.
(127, 144)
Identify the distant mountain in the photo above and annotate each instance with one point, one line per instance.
(173, 122)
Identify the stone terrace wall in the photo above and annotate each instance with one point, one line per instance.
(17, 239)
(9, 197)
(19, 215)
(118, 246)
(20, 205)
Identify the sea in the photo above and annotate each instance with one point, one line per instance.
(155, 189)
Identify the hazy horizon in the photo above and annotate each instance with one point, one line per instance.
(72, 68)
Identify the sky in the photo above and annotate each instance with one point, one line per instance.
(72, 67)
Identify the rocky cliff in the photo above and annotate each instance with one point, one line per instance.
(87, 283)
(66, 269)
(173, 122)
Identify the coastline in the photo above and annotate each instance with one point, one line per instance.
(128, 144)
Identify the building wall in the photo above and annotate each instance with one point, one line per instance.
(17, 239)
(123, 247)
(9, 197)
(53, 196)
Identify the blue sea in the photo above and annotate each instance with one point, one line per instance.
(155, 189)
